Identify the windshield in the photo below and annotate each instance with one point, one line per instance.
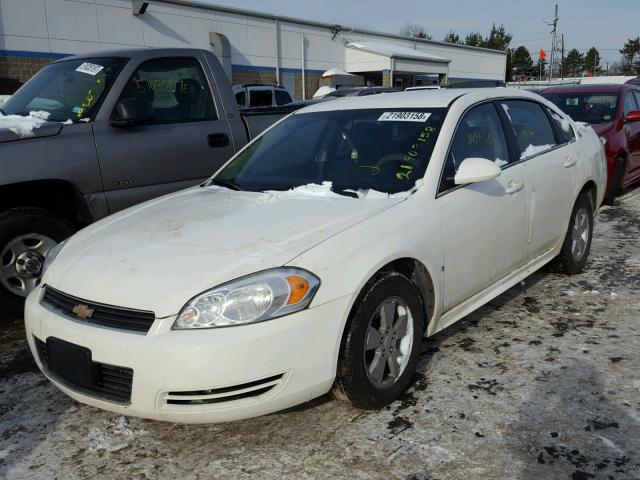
(587, 107)
(380, 149)
(68, 90)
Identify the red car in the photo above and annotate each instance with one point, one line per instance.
(614, 113)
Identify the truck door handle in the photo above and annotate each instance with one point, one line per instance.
(514, 186)
(570, 163)
(217, 140)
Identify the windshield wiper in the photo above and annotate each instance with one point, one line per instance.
(224, 183)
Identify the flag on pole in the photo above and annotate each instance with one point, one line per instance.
(543, 54)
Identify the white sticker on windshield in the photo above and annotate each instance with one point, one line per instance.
(404, 117)
(90, 68)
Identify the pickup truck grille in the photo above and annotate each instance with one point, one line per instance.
(138, 321)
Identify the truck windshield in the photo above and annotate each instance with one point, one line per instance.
(591, 108)
(381, 149)
(68, 90)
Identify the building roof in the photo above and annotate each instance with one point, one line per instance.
(339, 28)
(396, 51)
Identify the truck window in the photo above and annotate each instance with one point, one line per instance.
(260, 98)
(282, 97)
(175, 87)
(67, 90)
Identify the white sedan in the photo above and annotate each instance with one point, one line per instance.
(318, 257)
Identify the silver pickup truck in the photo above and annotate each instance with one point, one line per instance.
(92, 134)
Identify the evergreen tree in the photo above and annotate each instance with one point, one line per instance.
(498, 38)
(414, 30)
(592, 61)
(474, 39)
(522, 60)
(573, 64)
(631, 57)
(452, 37)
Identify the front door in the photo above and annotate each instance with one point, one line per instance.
(484, 224)
(183, 144)
(632, 132)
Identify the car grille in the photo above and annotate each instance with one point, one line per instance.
(138, 321)
(113, 383)
(226, 394)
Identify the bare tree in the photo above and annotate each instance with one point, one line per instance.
(414, 30)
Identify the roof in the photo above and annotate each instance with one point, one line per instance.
(416, 99)
(603, 88)
(330, 26)
(396, 51)
(336, 71)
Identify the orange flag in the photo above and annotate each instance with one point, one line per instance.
(543, 54)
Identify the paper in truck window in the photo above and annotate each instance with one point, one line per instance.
(404, 117)
(89, 68)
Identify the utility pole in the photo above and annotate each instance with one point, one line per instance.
(553, 41)
(562, 61)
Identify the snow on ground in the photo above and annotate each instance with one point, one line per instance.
(540, 383)
(24, 125)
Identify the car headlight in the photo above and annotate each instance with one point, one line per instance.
(51, 256)
(255, 298)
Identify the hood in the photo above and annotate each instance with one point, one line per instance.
(160, 254)
(10, 132)
(602, 128)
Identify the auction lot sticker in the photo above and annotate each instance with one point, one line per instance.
(404, 117)
(90, 68)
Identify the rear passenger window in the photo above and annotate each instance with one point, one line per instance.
(637, 94)
(479, 135)
(629, 104)
(563, 126)
(260, 98)
(282, 97)
(530, 126)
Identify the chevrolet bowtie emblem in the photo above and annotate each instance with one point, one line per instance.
(83, 311)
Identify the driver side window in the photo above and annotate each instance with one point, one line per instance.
(479, 134)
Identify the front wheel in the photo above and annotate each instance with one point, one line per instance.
(381, 346)
(577, 242)
(27, 235)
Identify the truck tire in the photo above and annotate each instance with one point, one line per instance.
(27, 234)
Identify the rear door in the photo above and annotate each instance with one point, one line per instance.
(549, 163)
(632, 132)
(484, 224)
(186, 141)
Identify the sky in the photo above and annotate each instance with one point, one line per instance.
(605, 24)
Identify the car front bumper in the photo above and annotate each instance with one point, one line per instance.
(203, 376)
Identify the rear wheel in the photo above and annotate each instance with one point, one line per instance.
(382, 344)
(577, 242)
(27, 235)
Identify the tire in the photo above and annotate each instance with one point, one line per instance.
(21, 230)
(357, 380)
(577, 241)
(617, 177)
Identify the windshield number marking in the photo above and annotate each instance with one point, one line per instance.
(89, 68)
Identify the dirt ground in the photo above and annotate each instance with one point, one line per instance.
(541, 383)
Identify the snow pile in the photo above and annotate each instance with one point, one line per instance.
(23, 126)
(114, 435)
(532, 150)
(322, 91)
(325, 190)
(564, 122)
(499, 162)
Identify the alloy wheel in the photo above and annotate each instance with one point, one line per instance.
(21, 262)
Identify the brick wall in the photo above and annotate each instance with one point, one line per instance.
(312, 83)
(21, 68)
(253, 76)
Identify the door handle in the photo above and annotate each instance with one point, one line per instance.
(514, 186)
(217, 140)
(570, 163)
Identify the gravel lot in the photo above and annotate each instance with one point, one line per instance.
(541, 383)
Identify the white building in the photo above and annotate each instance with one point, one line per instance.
(256, 47)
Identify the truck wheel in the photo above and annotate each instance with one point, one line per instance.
(577, 241)
(27, 235)
(381, 346)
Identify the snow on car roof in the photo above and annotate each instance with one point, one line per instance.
(415, 99)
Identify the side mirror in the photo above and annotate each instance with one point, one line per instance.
(474, 170)
(132, 111)
(633, 117)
